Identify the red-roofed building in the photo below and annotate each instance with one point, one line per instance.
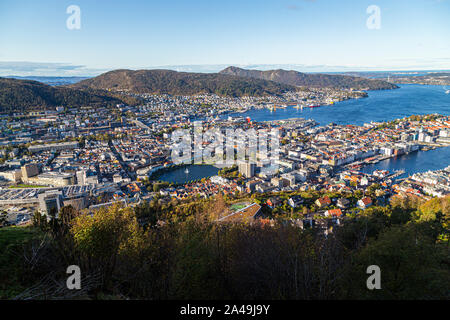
(323, 202)
(333, 213)
(364, 203)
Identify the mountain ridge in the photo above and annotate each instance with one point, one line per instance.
(17, 95)
(161, 81)
(318, 80)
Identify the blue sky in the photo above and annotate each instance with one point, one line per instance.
(205, 35)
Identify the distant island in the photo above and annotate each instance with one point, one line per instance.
(436, 78)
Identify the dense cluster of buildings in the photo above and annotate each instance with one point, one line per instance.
(103, 155)
(433, 183)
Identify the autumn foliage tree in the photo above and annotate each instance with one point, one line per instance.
(188, 255)
(106, 236)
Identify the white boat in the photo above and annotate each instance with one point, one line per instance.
(447, 92)
(186, 171)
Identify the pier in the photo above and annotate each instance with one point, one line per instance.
(397, 173)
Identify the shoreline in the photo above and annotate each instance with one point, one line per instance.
(400, 156)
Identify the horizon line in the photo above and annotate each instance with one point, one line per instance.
(53, 69)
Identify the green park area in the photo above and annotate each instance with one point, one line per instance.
(25, 186)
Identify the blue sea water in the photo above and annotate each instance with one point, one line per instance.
(382, 105)
(415, 162)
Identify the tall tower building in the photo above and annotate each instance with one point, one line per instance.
(29, 170)
(247, 169)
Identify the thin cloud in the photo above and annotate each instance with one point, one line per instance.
(26, 68)
(293, 7)
(9, 68)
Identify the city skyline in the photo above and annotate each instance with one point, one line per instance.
(309, 36)
(200, 154)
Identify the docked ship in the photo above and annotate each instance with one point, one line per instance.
(314, 106)
(275, 107)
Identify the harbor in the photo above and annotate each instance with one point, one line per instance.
(379, 106)
(416, 162)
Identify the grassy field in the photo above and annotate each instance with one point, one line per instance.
(22, 186)
(12, 240)
(238, 206)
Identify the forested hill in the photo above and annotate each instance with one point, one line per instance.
(26, 95)
(317, 80)
(182, 83)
